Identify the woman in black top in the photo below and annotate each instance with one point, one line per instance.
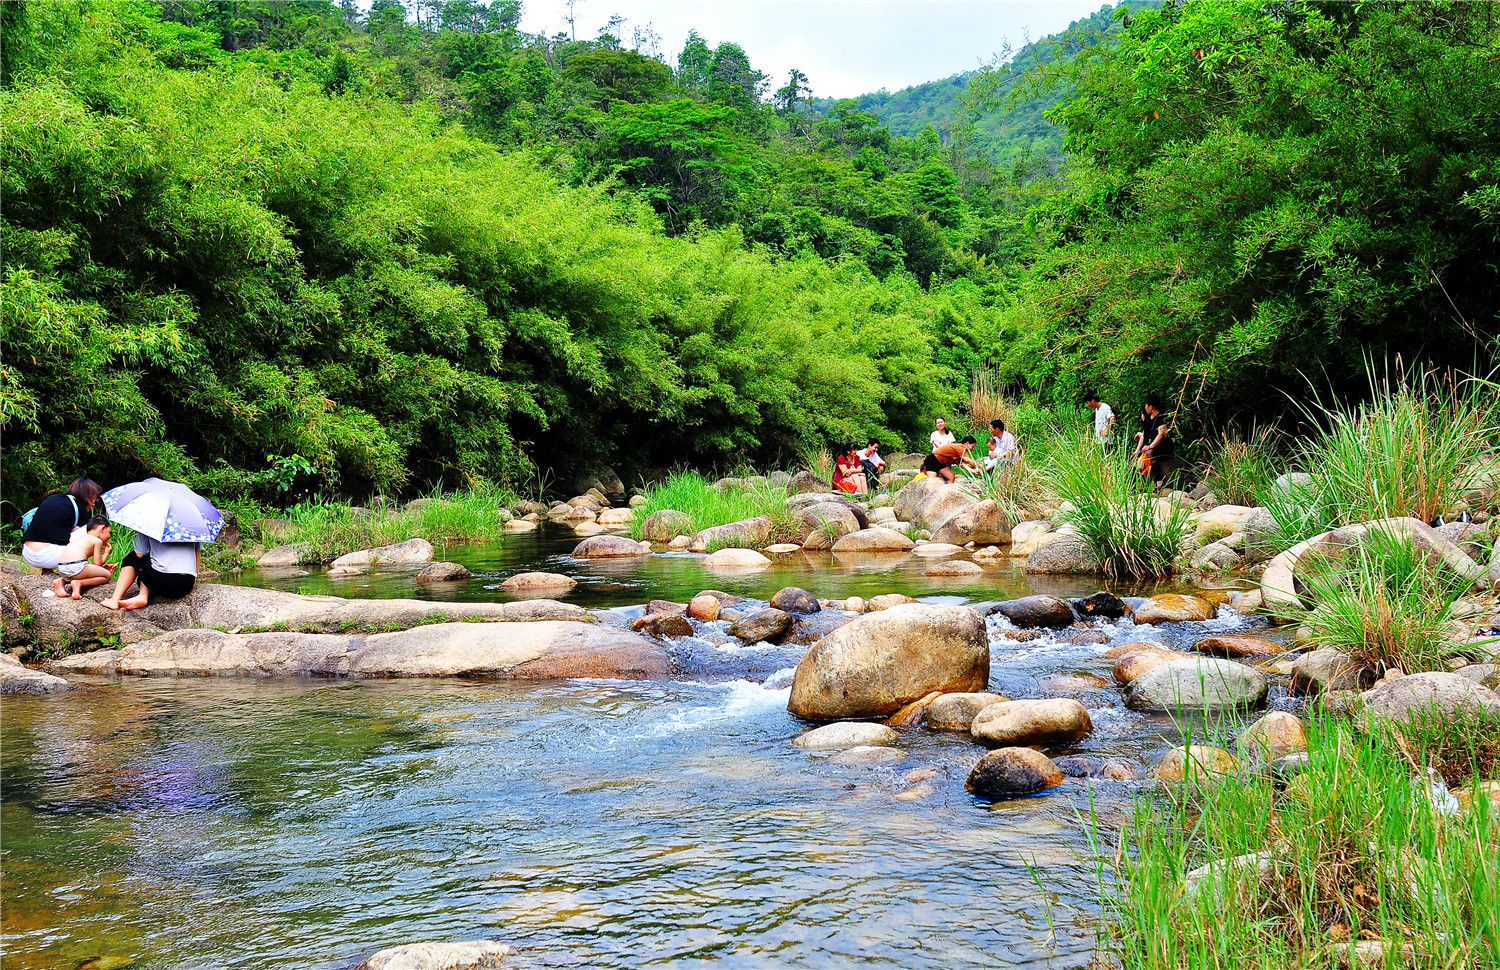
(55, 519)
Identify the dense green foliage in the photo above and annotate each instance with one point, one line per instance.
(418, 250)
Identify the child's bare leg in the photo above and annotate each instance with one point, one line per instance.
(89, 577)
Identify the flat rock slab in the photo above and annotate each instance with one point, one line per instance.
(1238, 645)
(873, 540)
(542, 650)
(474, 955)
(18, 679)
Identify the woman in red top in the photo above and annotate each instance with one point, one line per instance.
(848, 473)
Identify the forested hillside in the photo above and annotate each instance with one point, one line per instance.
(441, 250)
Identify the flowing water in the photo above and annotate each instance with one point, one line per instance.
(261, 824)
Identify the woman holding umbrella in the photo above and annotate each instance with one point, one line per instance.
(171, 523)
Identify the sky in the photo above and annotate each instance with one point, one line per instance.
(845, 47)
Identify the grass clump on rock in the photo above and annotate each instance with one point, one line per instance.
(327, 530)
(1360, 859)
(1114, 509)
(707, 506)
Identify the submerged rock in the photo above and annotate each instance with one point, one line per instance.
(1053, 722)
(735, 559)
(476, 955)
(877, 662)
(1012, 772)
(846, 734)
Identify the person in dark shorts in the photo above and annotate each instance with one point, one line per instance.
(942, 459)
(1155, 450)
(164, 570)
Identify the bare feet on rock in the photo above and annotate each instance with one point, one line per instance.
(58, 589)
(134, 603)
(110, 604)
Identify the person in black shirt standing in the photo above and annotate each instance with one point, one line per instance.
(53, 523)
(1154, 450)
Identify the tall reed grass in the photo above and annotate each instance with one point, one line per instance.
(1422, 440)
(695, 496)
(1240, 468)
(327, 530)
(1385, 602)
(1115, 510)
(1356, 848)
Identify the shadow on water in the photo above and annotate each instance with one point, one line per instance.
(272, 824)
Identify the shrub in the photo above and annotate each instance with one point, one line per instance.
(1385, 602)
(1355, 849)
(1114, 509)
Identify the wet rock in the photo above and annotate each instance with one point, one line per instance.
(886, 601)
(956, 711)
(954, 568)
(541, 650)
(1196, 683)
(879, 661)
(1051, 723)
(1087, 766)
(1134, 664)
(666, 607)
(538, 581)
(609, 547)
(1061, 553)
(283, 557)
(1442, 695)
(1271, 738)
(1238, 645)
(1197, 762)
(1035, 611)
(477, 955)
(1103, 605)
(913, 714)
(793, 599)
(1174, 608)
(747, 533)
(768, 625)
(616, 518)
(1013, 772)
(846, 734)
(520, 525)
(666, 525)
(868, 754)
(873, 540)
(443, 572)
(1327, 670)
(731, 560)
(1071, 685)
(704, 606)
(662, 625)
(408, 553)
(809, 628)
(984, 523)
(18, 679)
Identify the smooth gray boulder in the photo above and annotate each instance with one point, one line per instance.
(283, 557)
(475, 955)
(412, 552)
(1062, 553)
(983, 523)
(1440, 695)
(443, 572)
(824, 523)
(541, 650)
(15, 678)
(609, 547)
(878, 662)
(1196, 683)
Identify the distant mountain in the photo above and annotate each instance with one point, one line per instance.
(1013, 126)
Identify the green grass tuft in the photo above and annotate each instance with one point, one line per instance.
(707, 506)
(1114, 509)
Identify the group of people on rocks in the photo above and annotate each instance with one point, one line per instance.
(66, 537)
(857, 470)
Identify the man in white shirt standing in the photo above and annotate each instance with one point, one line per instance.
(942, 436)
(1104, 418)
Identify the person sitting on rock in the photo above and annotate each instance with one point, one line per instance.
(848, 473)
(166, 570)
(940, 463)
(1003, 449)
(873, 464)
(82, 559)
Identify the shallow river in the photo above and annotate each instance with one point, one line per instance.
(260, 824)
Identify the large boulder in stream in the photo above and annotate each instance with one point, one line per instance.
(745, 534)
(1035, 611)
(824, 523)
(1013, 772)
(874, 540)
(983, 523)
(609, 547)
(878, 662)
(541, 650)
(68, 624)
(1196, 684)
(412, 552)
(18, 679)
